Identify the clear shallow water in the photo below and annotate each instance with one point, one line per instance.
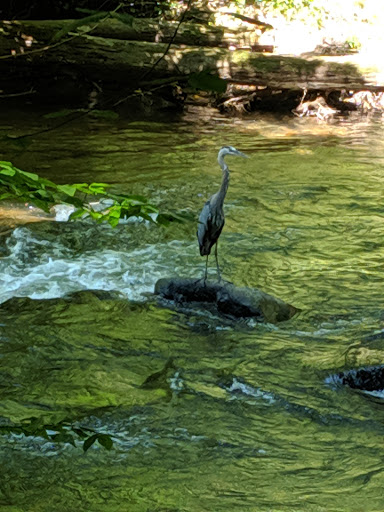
(247, 417)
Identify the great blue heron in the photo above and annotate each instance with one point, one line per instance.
(211, 220)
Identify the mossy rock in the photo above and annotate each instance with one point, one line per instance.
(228, 298)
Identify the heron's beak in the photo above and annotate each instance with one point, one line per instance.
(243, 155)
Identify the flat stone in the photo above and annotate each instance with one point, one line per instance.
(228, 298)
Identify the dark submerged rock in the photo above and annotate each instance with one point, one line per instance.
(366, 379)
(228, 298)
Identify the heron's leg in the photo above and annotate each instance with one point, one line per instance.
(206, 270)
(217, 262)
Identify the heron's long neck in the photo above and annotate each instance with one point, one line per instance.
(224, 182)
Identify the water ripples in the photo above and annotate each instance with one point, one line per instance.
(248, 416)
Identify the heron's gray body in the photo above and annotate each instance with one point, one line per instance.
(211, 219)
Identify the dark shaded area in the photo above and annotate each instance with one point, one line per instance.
(228, 299)
(366, 379)
(58, 9)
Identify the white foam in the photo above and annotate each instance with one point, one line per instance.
(64, 211)
(246, 389)
(54, 270)
(378, 393)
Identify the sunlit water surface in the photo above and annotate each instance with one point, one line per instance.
(248, 417)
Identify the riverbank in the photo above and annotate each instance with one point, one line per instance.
(150, 66)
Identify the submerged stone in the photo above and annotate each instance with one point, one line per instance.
(228, 298)
(17, 304)
(366, 379)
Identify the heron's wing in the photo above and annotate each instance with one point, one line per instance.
(209, 228)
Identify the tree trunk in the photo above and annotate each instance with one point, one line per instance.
(127, 63)
(139, 29)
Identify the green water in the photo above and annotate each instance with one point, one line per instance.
(246, 418)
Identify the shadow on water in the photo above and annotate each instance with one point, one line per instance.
(205, 414)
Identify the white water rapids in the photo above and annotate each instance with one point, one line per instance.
(42, 269)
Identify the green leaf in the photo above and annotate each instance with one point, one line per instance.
(8, 171)
(76, 24)
(105, 441)
(70, 190)
(4, 163)
(43, 193)
(104, 114)
(124, 18)
(31, 175)
(115, 212)
(206, 81)
(89, 442)
(6, 195)
(113, 221)
(98, 188)
(77, 214)
(61, 113)
(19, 185)
(80, 432)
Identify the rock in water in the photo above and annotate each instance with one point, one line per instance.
(229, 299)
(366, 379)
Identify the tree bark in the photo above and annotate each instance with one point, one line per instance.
(124, 61)
(140, 29)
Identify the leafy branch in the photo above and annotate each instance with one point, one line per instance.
(62, 432)
(57, 39)
(27, 187)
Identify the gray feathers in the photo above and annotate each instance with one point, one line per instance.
(211, 219)
(209, 228)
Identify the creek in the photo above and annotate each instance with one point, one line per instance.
(249, 416)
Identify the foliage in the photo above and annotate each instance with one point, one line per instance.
(27, 187)
(288, 8)
(62, 432)
(285, 5)
(353, 43)
(77, 24)
(61, 9)
(206, 81)
(46, 9)
(99, 114)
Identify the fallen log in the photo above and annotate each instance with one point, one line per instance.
(137, 29)
(112, 60)
(228, 299)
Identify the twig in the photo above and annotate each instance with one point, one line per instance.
(55, 45)
(31, 91)
(44, 49)
(303, 97)
(80, 115)
(171, 41)
(122, 100)
(51, 128)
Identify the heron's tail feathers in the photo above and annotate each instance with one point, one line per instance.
(205, 248)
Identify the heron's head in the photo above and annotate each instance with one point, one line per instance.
(230, 150)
